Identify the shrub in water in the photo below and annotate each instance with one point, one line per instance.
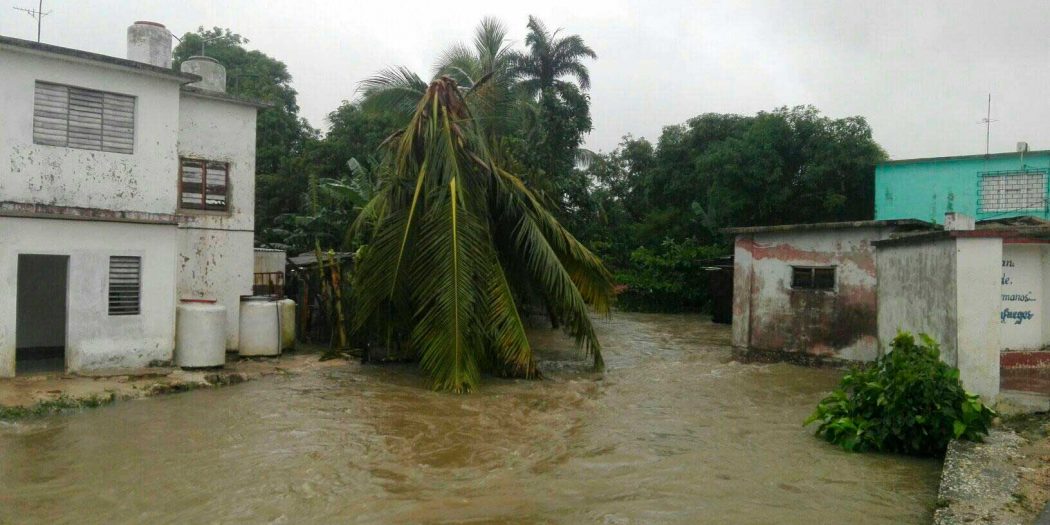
(907, 401)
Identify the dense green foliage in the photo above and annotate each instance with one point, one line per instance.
(456, 245)
(907, 401)
(791, 165)
(666, 278)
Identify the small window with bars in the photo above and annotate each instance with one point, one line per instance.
(813, 277)
(125, 285)
(1006, 191)
(83, 118)
(204, 185)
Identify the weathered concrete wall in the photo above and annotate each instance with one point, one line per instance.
(978, 273)
(216, 264)
(838, 323)
(94, 338)
(743, 279)
(1021, 313)
(216, 256)
(948, 288)
(221, 131)
(917, 293)
(29, 173)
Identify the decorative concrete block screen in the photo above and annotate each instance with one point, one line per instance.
(1005, 191)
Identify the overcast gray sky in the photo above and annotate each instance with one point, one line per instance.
(918, 71)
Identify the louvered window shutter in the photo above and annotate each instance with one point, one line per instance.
(83, 118)
(125, 285)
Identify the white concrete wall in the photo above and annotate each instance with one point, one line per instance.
(917, 293)
(95, 339)
(978, 273)
(1021, 313)
(221, 131)
(216, 249)
(216, 264)
(30, 173)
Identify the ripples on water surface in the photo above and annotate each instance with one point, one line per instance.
(674, 433)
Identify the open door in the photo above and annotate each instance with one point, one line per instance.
(40, 319)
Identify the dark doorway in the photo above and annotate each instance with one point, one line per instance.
(40, 319)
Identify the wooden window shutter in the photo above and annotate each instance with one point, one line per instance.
(204, 185)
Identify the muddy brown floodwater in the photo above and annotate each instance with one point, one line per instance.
(675, 432)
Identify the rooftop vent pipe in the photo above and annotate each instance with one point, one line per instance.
(149, 43)
(212, 73)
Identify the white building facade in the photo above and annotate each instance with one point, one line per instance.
(125, 187)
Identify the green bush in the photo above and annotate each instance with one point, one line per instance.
(668, 278)
(907, 401)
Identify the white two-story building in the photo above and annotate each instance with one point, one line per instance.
(125, 187)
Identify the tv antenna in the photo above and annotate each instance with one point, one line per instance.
(37, 13)
(987, 121)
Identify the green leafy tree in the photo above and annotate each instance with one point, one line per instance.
(456, 241)
(549, 143)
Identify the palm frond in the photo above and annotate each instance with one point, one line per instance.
(396, 90)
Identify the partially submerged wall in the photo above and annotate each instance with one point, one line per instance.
(949, 288)
(770, 316)
(917, 293)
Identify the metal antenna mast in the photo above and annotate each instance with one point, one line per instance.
(37, 13)
(987, 121)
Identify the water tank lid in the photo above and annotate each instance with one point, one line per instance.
(256, 298)
(204, 58)
(148, 23)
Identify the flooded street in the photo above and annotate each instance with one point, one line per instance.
(674, 432)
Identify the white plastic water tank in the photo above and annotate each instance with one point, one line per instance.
(200, 335)
(287, 311)
(260, 333)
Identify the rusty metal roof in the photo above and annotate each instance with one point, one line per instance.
(891, 223)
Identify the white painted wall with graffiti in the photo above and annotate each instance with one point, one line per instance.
(1020, 314)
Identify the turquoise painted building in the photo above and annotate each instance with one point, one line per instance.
(982, 186)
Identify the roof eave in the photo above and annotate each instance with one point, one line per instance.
(76, 55)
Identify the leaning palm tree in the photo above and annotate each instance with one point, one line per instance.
(456, 243)
(551, 58)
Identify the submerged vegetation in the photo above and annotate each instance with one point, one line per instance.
(907, 401)
(60, 404)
